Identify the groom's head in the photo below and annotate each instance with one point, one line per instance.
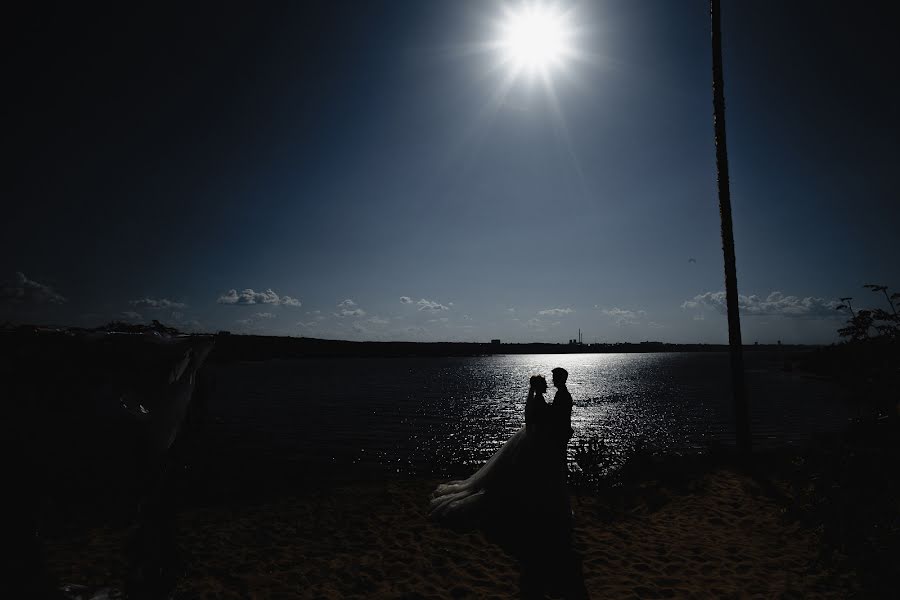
(559, 376)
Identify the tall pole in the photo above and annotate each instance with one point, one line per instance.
(738, 390)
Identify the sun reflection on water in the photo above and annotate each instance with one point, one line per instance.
(445, 416)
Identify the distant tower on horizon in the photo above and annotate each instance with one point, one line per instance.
(579, 336)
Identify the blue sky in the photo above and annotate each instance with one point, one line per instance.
(339, 171)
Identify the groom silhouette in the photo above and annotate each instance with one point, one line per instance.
(561, 420)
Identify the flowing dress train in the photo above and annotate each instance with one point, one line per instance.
(503, 479)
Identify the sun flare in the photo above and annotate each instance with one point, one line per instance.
(535, 38)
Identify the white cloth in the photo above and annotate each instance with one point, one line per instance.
(460, 499)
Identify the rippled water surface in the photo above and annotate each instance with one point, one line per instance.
(437, 415)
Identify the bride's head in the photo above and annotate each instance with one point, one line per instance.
(538, 383)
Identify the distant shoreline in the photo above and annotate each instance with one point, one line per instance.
(250, 347)
(230, 346)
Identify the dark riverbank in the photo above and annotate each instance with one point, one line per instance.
(250, 347)
(231, 347)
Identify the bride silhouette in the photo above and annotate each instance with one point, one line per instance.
(520, 476)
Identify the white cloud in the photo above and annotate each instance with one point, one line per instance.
(431, 305)
(556, 311)
(263, 315)
(775, 304)
(624, 316)
(349, 308)
(248, 297)
(156, 303)
(132, 316)
(425, 304)
(378, 321)
(24, 290)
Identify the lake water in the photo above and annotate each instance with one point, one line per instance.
(434, 416)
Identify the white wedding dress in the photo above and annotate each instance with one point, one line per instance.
(500, 478)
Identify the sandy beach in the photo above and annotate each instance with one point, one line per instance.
(720, 537)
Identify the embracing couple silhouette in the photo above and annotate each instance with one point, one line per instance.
(520, 498)
(528, 474)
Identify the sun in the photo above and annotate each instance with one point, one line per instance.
(535, 39)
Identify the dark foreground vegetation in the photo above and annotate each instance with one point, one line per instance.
(868, 361)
